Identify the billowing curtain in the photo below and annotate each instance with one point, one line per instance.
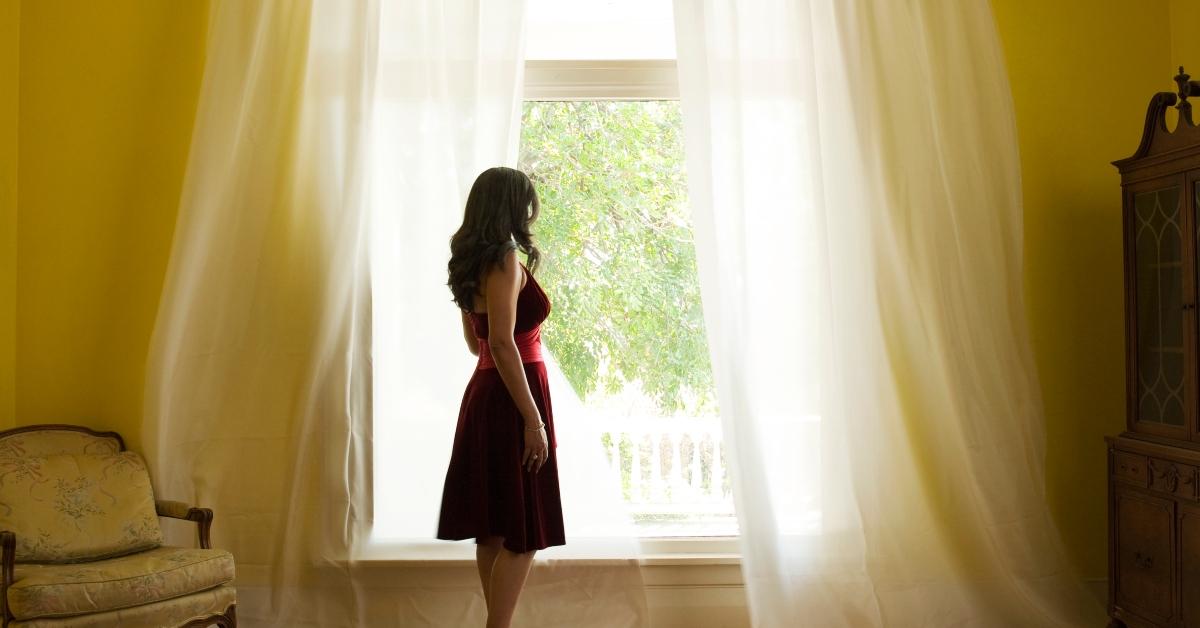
(259, 379)
(854, 178)
(306, 359)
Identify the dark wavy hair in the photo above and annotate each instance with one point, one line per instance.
(501, 206)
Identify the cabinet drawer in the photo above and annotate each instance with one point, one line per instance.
(1145, 554)
(1173, 477)
(1131, 469)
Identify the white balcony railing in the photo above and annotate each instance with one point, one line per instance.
(675, 478)
(672, 472)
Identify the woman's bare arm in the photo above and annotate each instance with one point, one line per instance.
(502, 285)
(469, 334)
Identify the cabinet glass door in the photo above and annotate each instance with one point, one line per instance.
(1159, 275)
(1192, 201)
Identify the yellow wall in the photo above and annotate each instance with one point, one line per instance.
(107, 98)
(1185, 44)
(10, 32)
(1073, 251)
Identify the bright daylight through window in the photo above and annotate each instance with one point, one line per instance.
(627, 327)
(627, 356)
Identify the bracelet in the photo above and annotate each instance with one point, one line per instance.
(541, 424)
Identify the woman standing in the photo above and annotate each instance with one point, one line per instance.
(502, 483)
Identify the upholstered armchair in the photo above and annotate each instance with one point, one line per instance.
(81, 544)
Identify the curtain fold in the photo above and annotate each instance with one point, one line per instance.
(257, 400)
(854, 178)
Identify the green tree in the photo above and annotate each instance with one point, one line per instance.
(619, 260)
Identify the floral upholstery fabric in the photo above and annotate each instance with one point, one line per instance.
(51, 442)
(172, 612)
(163, 573)
(72, 507)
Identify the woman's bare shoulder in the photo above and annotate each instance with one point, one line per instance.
(504, 273)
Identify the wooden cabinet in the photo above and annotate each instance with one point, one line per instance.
(1154, 466)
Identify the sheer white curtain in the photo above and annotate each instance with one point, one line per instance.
(448, 108)
(306, 356)
(256, 399)
(854, 177)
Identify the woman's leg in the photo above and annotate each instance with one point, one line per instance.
(508, 578)
(486, 551)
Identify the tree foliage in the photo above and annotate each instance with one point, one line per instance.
(619, 259)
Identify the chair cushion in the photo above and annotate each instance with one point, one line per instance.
(43, 590)
(173, 612)
(72, 507)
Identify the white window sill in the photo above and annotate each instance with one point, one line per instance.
(651, 552)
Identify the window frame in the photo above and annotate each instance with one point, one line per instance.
(577, 80)
(640, 79)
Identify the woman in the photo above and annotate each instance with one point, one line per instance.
(502, 484)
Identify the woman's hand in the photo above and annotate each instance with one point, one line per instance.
(536, 449)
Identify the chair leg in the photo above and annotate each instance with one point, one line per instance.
(228, 619)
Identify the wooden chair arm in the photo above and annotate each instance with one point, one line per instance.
(8, 556)
(179, 510)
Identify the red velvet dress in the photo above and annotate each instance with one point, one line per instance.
(487, 491)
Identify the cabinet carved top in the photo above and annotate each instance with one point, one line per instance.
(1159, 143)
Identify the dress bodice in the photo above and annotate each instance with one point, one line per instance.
(533, 306)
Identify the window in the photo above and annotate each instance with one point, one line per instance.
(602, 140)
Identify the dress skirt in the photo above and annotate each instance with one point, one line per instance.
(487, 491)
